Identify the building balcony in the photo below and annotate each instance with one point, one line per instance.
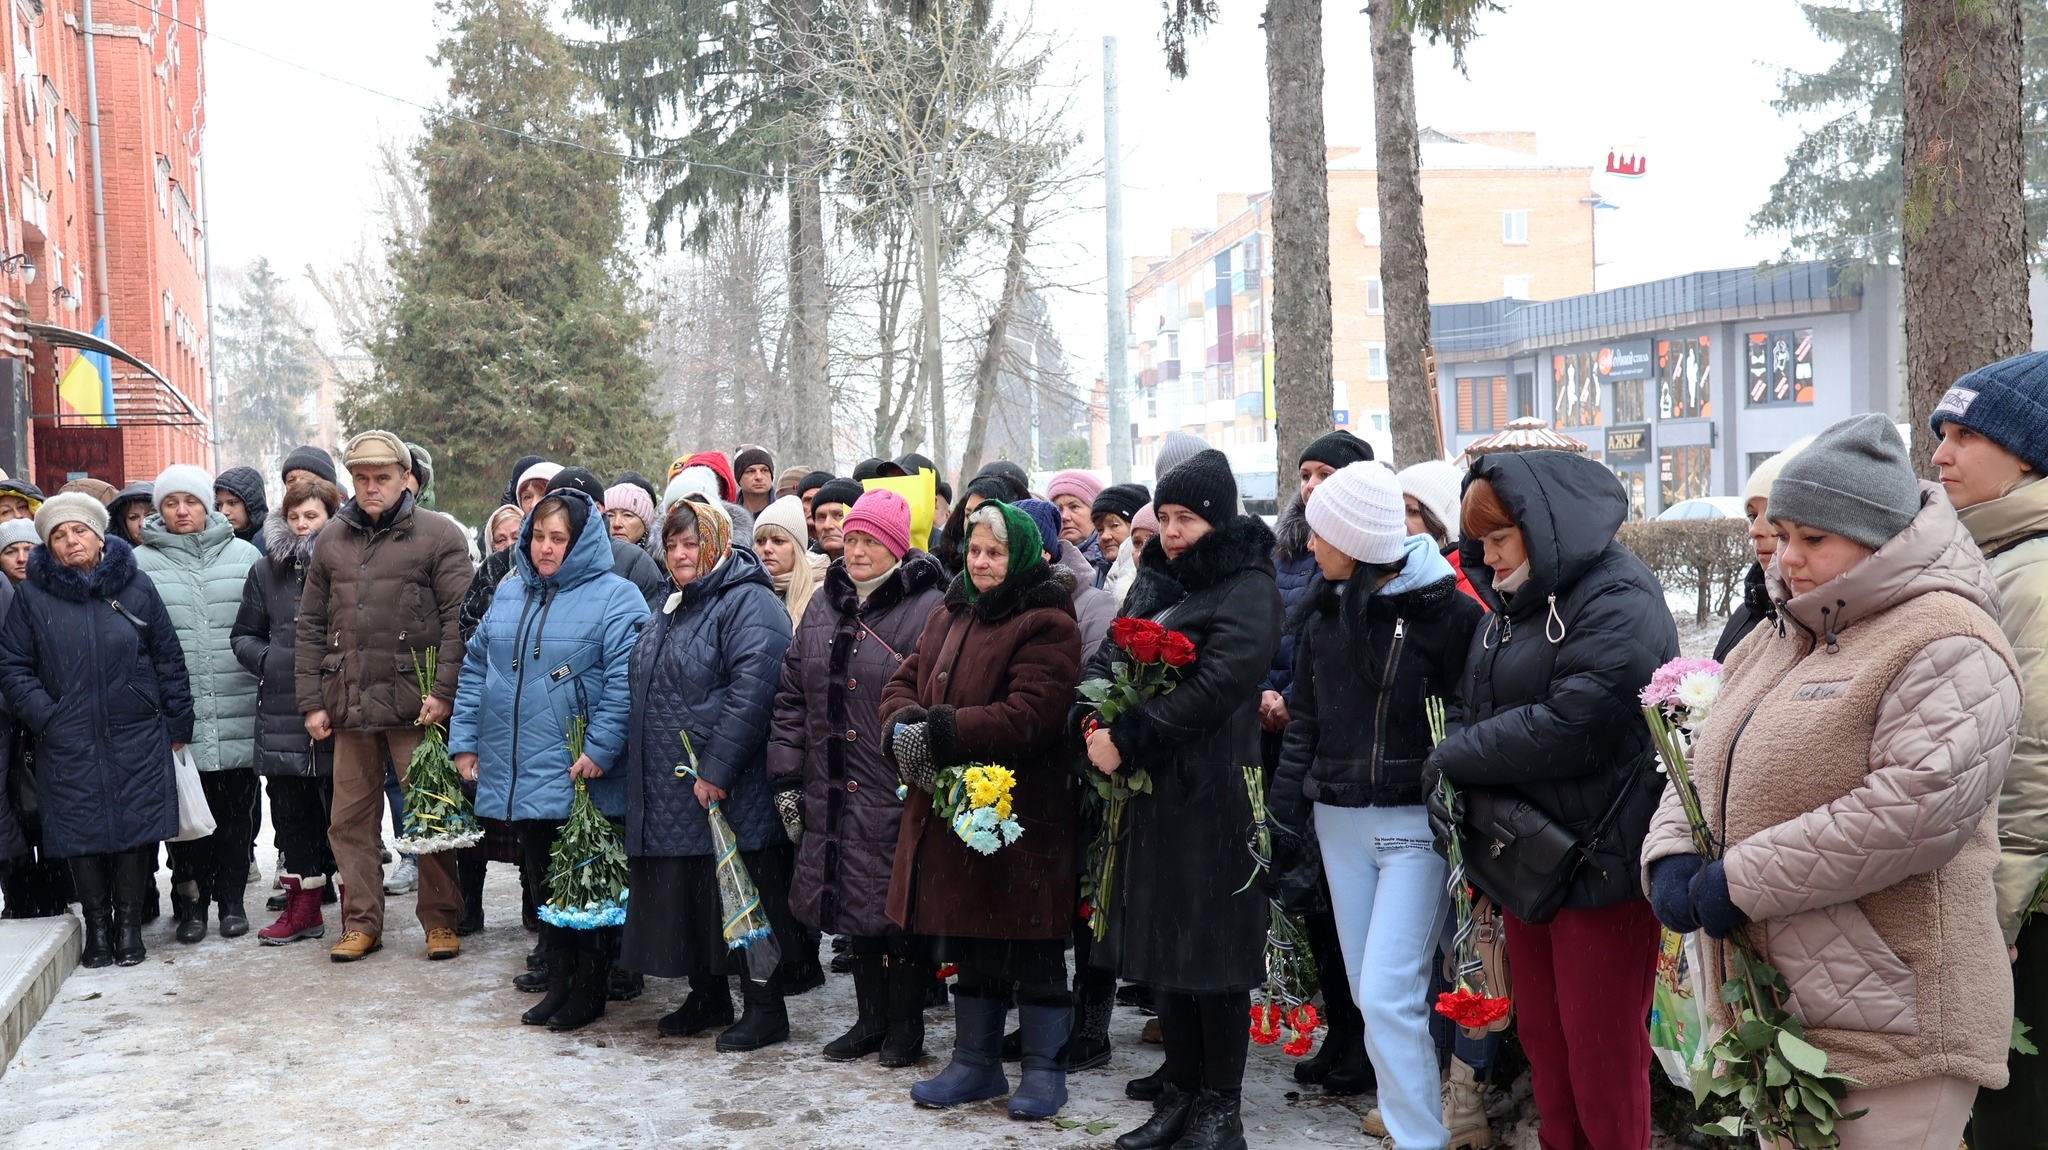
(1250, 343)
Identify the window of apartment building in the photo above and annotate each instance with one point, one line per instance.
(1375, 361)
(1253, 317)
(50, 121)
(1514, 287)
(163, 186)
(184, 223)
(1482, 403)
(1375, 296)
(1226, 383)
(71, 145)
(1514, 226)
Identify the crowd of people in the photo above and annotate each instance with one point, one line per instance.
(809, 653)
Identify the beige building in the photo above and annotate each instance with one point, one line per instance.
(1501, 221)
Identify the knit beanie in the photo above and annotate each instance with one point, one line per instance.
(812, 482)
(1079, 484)
(1178, 448)
(1359, 511)
(19, 531)
(423, 474)
(786, 483)
(1044, 516)
(749, 456)
(1010, 473)
(631, 497)
(1766, 473)
(2007, 403)
(1437, 486)
(640, 481)
(1121, 500)
(1338, 449)
(74, 507)
(309, 458)
(1146, 520)
(1853, 480)
(695, 480)
(1018, 533)
(577, 479)
(543, 471)
(838, 491)
(884, 515)
(193, 481)
(786, 515)
(866, 469)
(1203, 484)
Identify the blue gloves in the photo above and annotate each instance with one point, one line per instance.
(1671, 881)
(1717, 912)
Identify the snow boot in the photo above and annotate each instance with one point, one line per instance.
(470, 876)
(587, 987)
(871, 1025)
(302, 917)
(709, 1005)
(90, 880)
(561, 973)
(1043, 1089)
(976, 1071)
(129, 880)
(234, 921)
(1216, 1124)
(191, 909)
(906, 983)
(764, 1022)
(1170, 1114)
(1088, 1048)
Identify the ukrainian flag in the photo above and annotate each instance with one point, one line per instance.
(87, 386)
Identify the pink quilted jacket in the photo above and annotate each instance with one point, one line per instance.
(1852, 764)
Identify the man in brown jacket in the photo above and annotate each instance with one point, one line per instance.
(383, 588)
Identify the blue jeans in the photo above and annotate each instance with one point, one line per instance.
(1387, 891)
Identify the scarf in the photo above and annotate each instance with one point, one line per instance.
(796, 586)
(1423, 565)
(866, 587)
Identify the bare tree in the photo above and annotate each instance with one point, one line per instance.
(1302, 365)
(357, 291)
(1404, 254)
(719, 341)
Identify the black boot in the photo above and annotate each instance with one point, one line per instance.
(191, 908)
(709, 1005)
(560, 972)
(234, 921)
(906, 982)
(1353, 1073)
(1169, 1121)
(129, 881)
(1150, 1088)
(90, 880)
(1089, 1046)
(471, 877)
(871, 1027)
(588, 987)
(764, 1022)
(1216, 1123)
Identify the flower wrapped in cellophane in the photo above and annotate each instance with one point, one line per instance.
(438, 816)
(975, 801)
(1472, 1003)
(1282, 1003)
(587, 871)
(743, 923)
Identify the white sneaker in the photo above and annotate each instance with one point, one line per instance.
(404, 878)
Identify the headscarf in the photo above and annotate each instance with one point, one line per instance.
(1018, 533)
(714, 536)
(491, 521)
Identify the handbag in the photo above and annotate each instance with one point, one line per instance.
(1521, 857)
(195, 818)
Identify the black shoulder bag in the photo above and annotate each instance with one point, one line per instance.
(1521, 857)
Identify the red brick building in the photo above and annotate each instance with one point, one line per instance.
(142, 59)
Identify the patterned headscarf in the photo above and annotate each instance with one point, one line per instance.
(714, 535)
(1015, 529)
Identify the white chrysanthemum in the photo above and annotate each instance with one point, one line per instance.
(1697, 692)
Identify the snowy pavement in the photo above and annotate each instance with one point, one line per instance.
(230, 1044)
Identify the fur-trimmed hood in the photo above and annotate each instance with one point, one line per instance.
(1028, 590)
(1238, 544)
(283, 548)
(106, 579)
(1291, 531)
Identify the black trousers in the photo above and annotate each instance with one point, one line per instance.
(2015, 1117)
(1207, 1039)
(219, 863)
(300, 808)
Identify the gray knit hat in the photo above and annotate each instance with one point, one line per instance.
(1853, 480)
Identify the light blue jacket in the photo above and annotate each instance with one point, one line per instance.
(549, 650)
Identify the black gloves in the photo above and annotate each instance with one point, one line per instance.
(1671, 892)
(1443, 821)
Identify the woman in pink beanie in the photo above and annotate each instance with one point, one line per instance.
(1074, 492)
(884, 517)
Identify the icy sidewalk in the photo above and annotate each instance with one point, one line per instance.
(232, 1044)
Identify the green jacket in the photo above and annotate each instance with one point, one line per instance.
(199, 578)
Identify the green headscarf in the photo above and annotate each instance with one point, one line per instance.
(1018, 533)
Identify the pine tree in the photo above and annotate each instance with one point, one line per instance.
(514, 325)
(268, 366)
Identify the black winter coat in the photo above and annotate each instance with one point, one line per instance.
(91, 666)
(1357, 734)
(710, 668)
(1550, 690)
(844, 654)
(1183, 918)
(1755, 607)
(265, 633)
(1294, 568)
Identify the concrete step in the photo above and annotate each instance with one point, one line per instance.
(36, 956)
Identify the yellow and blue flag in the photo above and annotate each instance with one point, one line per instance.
(87, 386)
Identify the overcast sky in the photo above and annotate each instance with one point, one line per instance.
(288, 153)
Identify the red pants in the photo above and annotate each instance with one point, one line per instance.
(1582, 985)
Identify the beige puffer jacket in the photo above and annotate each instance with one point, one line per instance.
(1849, 765)
(2013, 534)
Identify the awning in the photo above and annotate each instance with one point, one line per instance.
(141, 400)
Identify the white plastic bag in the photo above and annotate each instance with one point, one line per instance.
(195, 818)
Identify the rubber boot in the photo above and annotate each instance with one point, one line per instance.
(1465, 1109)
(1088, 1047)
(976, 1071)
(1170, 1114)
(1043, 1089)
(587, 986)
(234, 921)
(470, 876)
(871, 1026)
(764, 1022)
(130, 879)
(191, 907)
(709, 1005)
(1216, 1123)
(89, 879)
(561, 971)
(906, 982)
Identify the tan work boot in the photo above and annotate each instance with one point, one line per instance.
(1465, 1109)
(442, 943)
(354, 944)
(1374, 1125)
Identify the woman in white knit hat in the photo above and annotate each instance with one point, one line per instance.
(1380, 629)
(1756, 603)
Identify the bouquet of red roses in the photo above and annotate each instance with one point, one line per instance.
(1154, 657)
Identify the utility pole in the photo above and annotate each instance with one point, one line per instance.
(933, 369)
(1116, 372)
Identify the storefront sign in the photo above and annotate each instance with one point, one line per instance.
(1628, 445)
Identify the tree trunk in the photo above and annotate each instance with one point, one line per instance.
(1302, 366)
(989, 369)
(1404, 257)
(810, 391)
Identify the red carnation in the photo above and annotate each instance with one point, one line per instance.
(1302, 1019)
(1470, 1009)
(1298, 1046)
(1177, 649)
(1265, 1024)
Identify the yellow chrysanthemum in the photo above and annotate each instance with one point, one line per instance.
(1003, 807)
(1001, 777)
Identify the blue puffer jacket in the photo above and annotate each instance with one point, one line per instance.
(709, 667)
(1294, 568)
(549, 649)
(91, 665)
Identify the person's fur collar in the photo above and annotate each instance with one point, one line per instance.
(917, 572)
(1027, 590)
(1291, 532)
(1238, 544)
(284, 548)
(106, 579)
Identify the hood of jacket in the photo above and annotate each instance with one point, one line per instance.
(106, 579)
(200, 548)
(1068, 556)
(246, 484)
(283, 548)
(2020, 514)
(1568, 508)
(1034, 587)
(1934, 553)
(511, 493)
(917, 572)
(1291, 529)
(740, 568)
(1240, 543)
(589, 556)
